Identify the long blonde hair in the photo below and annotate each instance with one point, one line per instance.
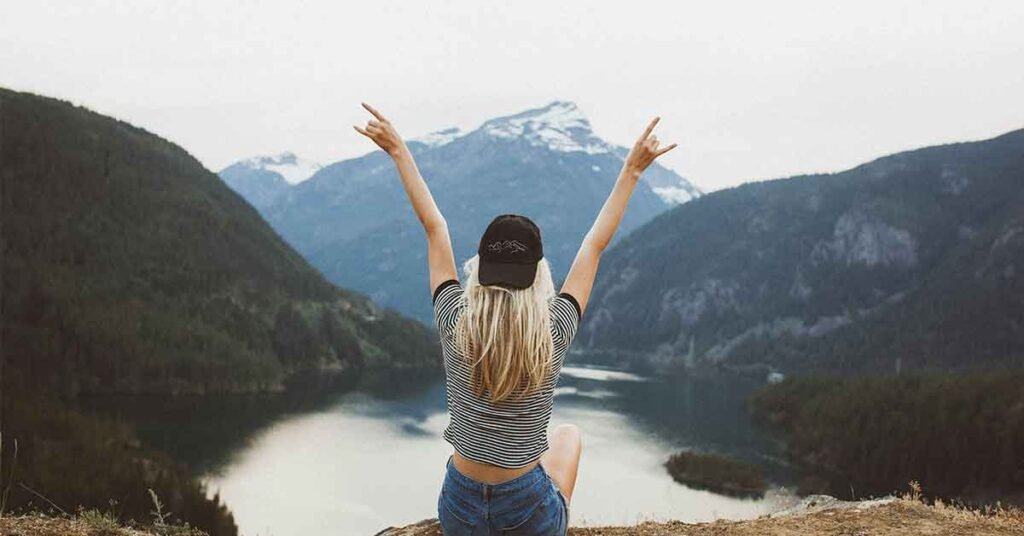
(505, 333)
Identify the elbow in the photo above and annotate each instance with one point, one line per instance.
(435, 226)
(595, 245)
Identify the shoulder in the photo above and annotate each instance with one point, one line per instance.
(445, 290)
(448, 304)
(565, 318)
(567, 306)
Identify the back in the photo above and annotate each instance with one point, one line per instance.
(513, 433)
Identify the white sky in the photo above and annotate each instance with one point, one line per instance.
(749, 90)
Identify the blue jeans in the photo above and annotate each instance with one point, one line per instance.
(528, 504)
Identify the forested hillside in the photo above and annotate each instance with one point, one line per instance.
(912, 260)
(960, 437)
(129, 267)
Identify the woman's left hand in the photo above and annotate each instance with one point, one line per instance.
(644, 151)
(382, 132)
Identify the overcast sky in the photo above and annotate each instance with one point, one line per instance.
(750, 91)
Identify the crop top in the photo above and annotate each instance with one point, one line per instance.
(513, 432)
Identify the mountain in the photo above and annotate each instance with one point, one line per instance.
(353, 222)
(128, 267)
(912, 260)
(261, 179)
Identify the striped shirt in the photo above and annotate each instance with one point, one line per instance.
(512, 433)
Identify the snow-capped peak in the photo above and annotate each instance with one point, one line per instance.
(440, 137)
(290, 167)
(560, 126)
(676, 195)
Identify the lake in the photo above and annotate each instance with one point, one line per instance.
(359, 458)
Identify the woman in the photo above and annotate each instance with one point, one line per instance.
(503, 338)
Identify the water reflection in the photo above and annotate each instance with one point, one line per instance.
(371, 455)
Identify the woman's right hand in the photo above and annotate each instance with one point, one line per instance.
(382, 132)
(644, 151)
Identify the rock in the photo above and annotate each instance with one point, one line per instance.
(427, 527)
(820, 503)
(817, 514)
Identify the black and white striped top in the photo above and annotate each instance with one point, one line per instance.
(512, 433)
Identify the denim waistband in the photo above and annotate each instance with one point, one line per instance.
(520, 482)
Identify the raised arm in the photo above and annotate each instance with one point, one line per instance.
(440, 257)
(580, 279)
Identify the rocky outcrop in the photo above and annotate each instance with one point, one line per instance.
(817, 514)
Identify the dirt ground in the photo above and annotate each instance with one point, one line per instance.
(879, 518)
(36, 525)
(897, 517)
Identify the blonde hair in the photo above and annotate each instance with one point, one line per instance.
(505, 334)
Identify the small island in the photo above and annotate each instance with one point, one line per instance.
(717, 473)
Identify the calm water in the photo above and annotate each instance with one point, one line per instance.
(371, 455)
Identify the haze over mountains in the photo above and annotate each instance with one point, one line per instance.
(351, 219)
(912, 260)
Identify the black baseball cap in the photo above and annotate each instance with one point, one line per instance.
(509, 251)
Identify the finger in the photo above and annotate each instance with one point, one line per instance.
(374, 129)
(374, 123)
(361, 131)
(650, 128)
(665, 150)
(372, 110)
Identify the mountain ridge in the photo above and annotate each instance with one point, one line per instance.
(850, 267)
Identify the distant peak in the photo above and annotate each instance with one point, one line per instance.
(558, 125)
(559, 106)
(440, 137)
(557, 113)
(286, 157)
(289, 166)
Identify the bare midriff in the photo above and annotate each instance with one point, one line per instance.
(487, 473)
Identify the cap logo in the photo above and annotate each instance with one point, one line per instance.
(512, 246)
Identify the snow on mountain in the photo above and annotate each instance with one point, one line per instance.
(675, 194)
(559, 126)
(290, 167)
(441, 137)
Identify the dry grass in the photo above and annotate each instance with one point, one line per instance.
(41, 525)
(86, 523)
(898, 517)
